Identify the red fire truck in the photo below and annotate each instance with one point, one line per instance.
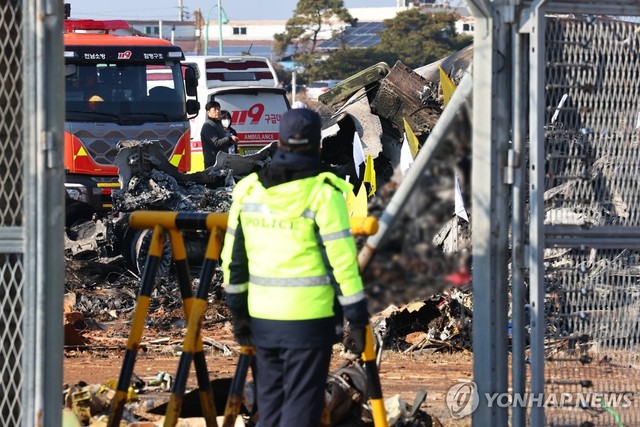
(120, 86)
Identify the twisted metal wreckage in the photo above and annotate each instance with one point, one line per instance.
(374, 104)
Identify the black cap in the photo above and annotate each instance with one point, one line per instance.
(300, 126)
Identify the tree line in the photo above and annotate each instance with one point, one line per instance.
(413, 37)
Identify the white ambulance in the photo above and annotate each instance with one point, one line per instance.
(246, 86)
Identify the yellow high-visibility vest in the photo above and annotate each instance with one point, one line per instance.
(289, 230)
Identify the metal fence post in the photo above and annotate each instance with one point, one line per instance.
(31, 211)
(490, 204)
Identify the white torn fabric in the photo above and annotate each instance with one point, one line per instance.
(460, 210)
(406, 159)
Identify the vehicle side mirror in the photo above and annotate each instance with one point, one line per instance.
(191, 81)
(193, 107)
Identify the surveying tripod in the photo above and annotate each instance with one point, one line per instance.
(173, 223)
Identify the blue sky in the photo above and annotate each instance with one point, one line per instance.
(168, 9)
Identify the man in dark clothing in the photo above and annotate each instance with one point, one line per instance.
(212, 135)
(288, 256)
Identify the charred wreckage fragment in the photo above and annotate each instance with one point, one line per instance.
(149, 182)
(374, 104)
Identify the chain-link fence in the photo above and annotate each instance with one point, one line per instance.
(31, 213)
(592, 221)
(558, 80)
(11, 214)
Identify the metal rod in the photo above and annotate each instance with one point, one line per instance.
(221, 13)
(592, 233)
(592, 243)
(518, 341)
(206, 34)
(171, 220)
(582, 383)
(536, 202)
(178, 220)
(585, 359)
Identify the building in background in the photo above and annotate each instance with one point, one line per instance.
(256, 37)
(182, 33)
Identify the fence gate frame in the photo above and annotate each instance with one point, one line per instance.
(492, 83)
(31, 230)
(509, 77)
(539, 233)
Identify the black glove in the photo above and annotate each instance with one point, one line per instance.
(357, 339)
(242, 330)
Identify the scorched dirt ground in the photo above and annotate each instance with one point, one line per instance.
(400, 373)
(100, 333)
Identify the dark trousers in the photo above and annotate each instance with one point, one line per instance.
(291, 385)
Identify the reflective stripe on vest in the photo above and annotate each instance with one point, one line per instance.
(262, 208)
(292, 282)
(336, 235)
(357, 297)
(255, 207)
(237, 289)
(309, 214)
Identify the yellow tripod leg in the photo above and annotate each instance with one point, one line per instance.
(234, 400)
(373, 380)
(137, 325)
(205, 391)
(198, 308)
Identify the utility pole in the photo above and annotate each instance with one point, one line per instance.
(180, 11)
(199, 23)
(220, 28)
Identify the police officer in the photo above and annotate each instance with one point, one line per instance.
(288, 253)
